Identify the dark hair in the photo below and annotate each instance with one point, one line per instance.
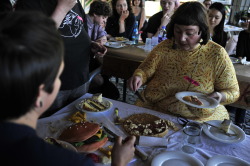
(133, 3)
(5, 6)
(31, 52)
(114, 6)
(99, 7)
(190, 13)
(219, 29)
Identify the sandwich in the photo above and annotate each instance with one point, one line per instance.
(85, 136)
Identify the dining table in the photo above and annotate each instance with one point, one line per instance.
(122, 62)
(53, 125)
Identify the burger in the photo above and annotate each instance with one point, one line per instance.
(85, 136)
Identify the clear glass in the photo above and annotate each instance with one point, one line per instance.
(191, 137)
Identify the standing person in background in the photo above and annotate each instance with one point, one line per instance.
(98, 13)
(207, 3)
(71, 22)
(122, 22)
(30, 77)
(216, 16)
(243, 44)
(139, 12)
(187, 61)
(160, 19)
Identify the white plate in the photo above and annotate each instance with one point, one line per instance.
(175, 158)
(114, 44)
(105, 102)
(208, 102)
(222, 160)
(219, 136)
(235, 60)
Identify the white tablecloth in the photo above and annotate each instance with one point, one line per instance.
(53, 125)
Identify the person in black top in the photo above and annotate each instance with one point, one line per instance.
(160, 19)
(72, 25)
(243, 44)
(31, 62)
(122, 22)
(216, 15)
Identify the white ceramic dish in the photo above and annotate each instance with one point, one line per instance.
(208, 102)
(217, 135)
(222, 160)
(175, 158)
(114, 44)
(105, 102)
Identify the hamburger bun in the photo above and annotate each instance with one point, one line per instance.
(85, 136)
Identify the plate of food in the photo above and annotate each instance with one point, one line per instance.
(235, 60)
(196, 99)
(226, 160)
(114, 44)
(119, 39)
(60, 143)
(232, 133)
(95, 104)
(175, 158)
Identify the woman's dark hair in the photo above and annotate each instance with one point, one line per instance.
(5, 6)
(114, 6)
(31, 52)
(99, 7)
(219, 29)
(133, 3)
(190, 13)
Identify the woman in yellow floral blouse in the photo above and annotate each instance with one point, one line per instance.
(187, 61)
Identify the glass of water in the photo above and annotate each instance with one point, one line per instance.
(191, 137)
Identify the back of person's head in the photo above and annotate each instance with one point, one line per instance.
(221, 8)
(31, 52)
(113, 2)
(190, 13)
(99, 7)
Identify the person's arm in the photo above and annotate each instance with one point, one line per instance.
(143, 18)
(164, 22)
(62, 8)
(225, 73)
(122, 19)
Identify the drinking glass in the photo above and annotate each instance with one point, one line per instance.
(191, 137)
(148, 46)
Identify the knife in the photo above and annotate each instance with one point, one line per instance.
(139, 152)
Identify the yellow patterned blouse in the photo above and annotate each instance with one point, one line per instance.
(163, 72)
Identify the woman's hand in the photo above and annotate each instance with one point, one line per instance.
(134, 83)
(122, 153)
(165, 20)
(98, 49)
(124, 15)
(220, 97)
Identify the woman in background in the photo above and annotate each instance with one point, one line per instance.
(121, 23)
(187, 61)
(139, 12)
(216, 16)
(30, 77)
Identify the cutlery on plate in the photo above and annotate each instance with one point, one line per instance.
(140, 153)
(224, 132)
(139, 96)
